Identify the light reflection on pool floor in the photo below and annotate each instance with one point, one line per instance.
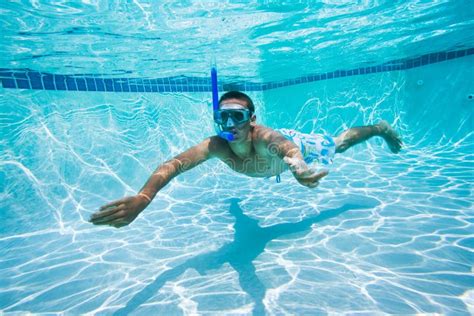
(383, 233)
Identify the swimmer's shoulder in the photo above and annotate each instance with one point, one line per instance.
(265, 135)
(264, 138)
(217, 147)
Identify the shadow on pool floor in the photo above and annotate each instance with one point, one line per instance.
(249, 242)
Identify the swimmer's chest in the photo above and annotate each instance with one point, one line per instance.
(260, 163)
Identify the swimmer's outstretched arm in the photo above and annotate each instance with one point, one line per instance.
(122, 212)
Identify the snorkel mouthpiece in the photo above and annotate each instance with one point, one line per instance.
(227, 136)
(215, 104)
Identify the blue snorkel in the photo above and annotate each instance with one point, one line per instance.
(215, 104)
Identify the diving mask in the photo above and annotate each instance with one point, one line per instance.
(229, 116)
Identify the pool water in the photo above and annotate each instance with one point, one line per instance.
(383, 233)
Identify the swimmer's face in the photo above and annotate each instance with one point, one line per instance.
(241, 131)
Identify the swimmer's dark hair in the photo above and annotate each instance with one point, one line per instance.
(239, 96)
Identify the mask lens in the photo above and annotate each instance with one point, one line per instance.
(238, 116)
(225, 116)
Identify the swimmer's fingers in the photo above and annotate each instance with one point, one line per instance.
(309, 184)
(312, 178)
(312, 175)
(103, 213)
(119, 223)
(319, 175)
(107, 215)
(313, 185)
(114, 203)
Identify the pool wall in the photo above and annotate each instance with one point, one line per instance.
(429, 105)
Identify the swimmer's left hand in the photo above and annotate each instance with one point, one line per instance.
(310, 178)
(303, 174)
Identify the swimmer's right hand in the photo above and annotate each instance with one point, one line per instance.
(121, 212)
(303, 174)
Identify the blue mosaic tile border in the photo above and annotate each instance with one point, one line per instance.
(29, 79)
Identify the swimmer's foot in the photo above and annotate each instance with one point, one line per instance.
(390, 136)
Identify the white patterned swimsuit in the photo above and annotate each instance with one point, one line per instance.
(314, 147)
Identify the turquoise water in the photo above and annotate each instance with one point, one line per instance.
(383, 233)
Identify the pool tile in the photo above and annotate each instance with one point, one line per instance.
(27, 79)
(8, 83)
(60, 82)
(81, 84)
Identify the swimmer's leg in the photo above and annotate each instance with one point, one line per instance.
(357, 135)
